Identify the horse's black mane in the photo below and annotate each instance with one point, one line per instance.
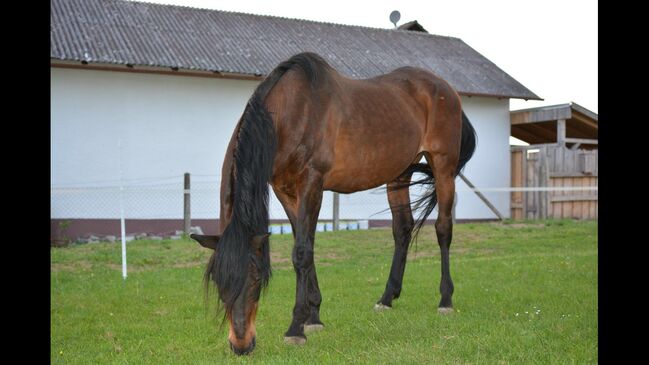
(253, 163)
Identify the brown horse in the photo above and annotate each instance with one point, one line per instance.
(307, 129)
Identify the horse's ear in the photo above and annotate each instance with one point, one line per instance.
(205, 240)
(258, 240)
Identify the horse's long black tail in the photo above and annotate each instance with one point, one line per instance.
(427, 202)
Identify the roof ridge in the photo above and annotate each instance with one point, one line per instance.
(292, 19)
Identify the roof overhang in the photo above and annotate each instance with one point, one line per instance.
(177, 71)
(172, 71)
(540, 125)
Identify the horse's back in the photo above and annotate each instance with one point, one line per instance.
(360, 133)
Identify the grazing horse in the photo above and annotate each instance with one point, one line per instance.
(307, 129)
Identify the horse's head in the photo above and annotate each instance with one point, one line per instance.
(239, 278)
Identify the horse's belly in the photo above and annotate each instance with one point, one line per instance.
(375, 142)
(361, 166)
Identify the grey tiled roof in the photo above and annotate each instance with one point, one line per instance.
(144, 34)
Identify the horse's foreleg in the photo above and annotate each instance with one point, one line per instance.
(309, 199)
(314, 298)
(402, 223)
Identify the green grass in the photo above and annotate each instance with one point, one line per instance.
(524, 293)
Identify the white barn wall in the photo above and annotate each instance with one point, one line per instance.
(170, 125)
(490, 165)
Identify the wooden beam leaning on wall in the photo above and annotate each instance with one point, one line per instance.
(482, 197)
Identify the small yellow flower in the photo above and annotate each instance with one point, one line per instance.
(61, 353)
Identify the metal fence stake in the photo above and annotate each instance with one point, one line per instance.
(187, 211)
(336, 216)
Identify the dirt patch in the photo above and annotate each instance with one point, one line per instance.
(468, 237)
(184, 265)
(454, 251)
(412, 255)
(519, 225)
(110, 337)
(130, 268)
(144, 268)
(331, 256)
(281, 262)
(276, 258)
(486, 251)
(77, 266)
(461, 250)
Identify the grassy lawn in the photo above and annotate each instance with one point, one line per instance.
(524, 293)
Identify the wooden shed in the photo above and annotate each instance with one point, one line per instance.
(556, 175)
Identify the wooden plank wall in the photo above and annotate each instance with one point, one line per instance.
(573, 204)
(517, 181)
(553, 166)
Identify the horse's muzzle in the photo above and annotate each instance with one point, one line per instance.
(244, 351)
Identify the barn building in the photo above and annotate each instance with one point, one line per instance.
(142, 93)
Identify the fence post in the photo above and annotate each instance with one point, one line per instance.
(336, 211)
(187, 211)
(453, 210)
(122, 220)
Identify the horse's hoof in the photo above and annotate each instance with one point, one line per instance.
(381, 307)
(310, 328)
(294, 340)
(445, 310)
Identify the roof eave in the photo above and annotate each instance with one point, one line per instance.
(163, 70)
(502, 96)
(180, 71)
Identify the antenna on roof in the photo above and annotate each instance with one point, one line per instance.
(394, 17)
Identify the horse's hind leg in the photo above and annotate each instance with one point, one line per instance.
(444, 172)
(402, 223)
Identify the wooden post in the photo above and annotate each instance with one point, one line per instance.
(529, 182)
(561, 132)
(482, 197)
(543, 182)
(336, 211)
(187, 211)
(524, 183)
